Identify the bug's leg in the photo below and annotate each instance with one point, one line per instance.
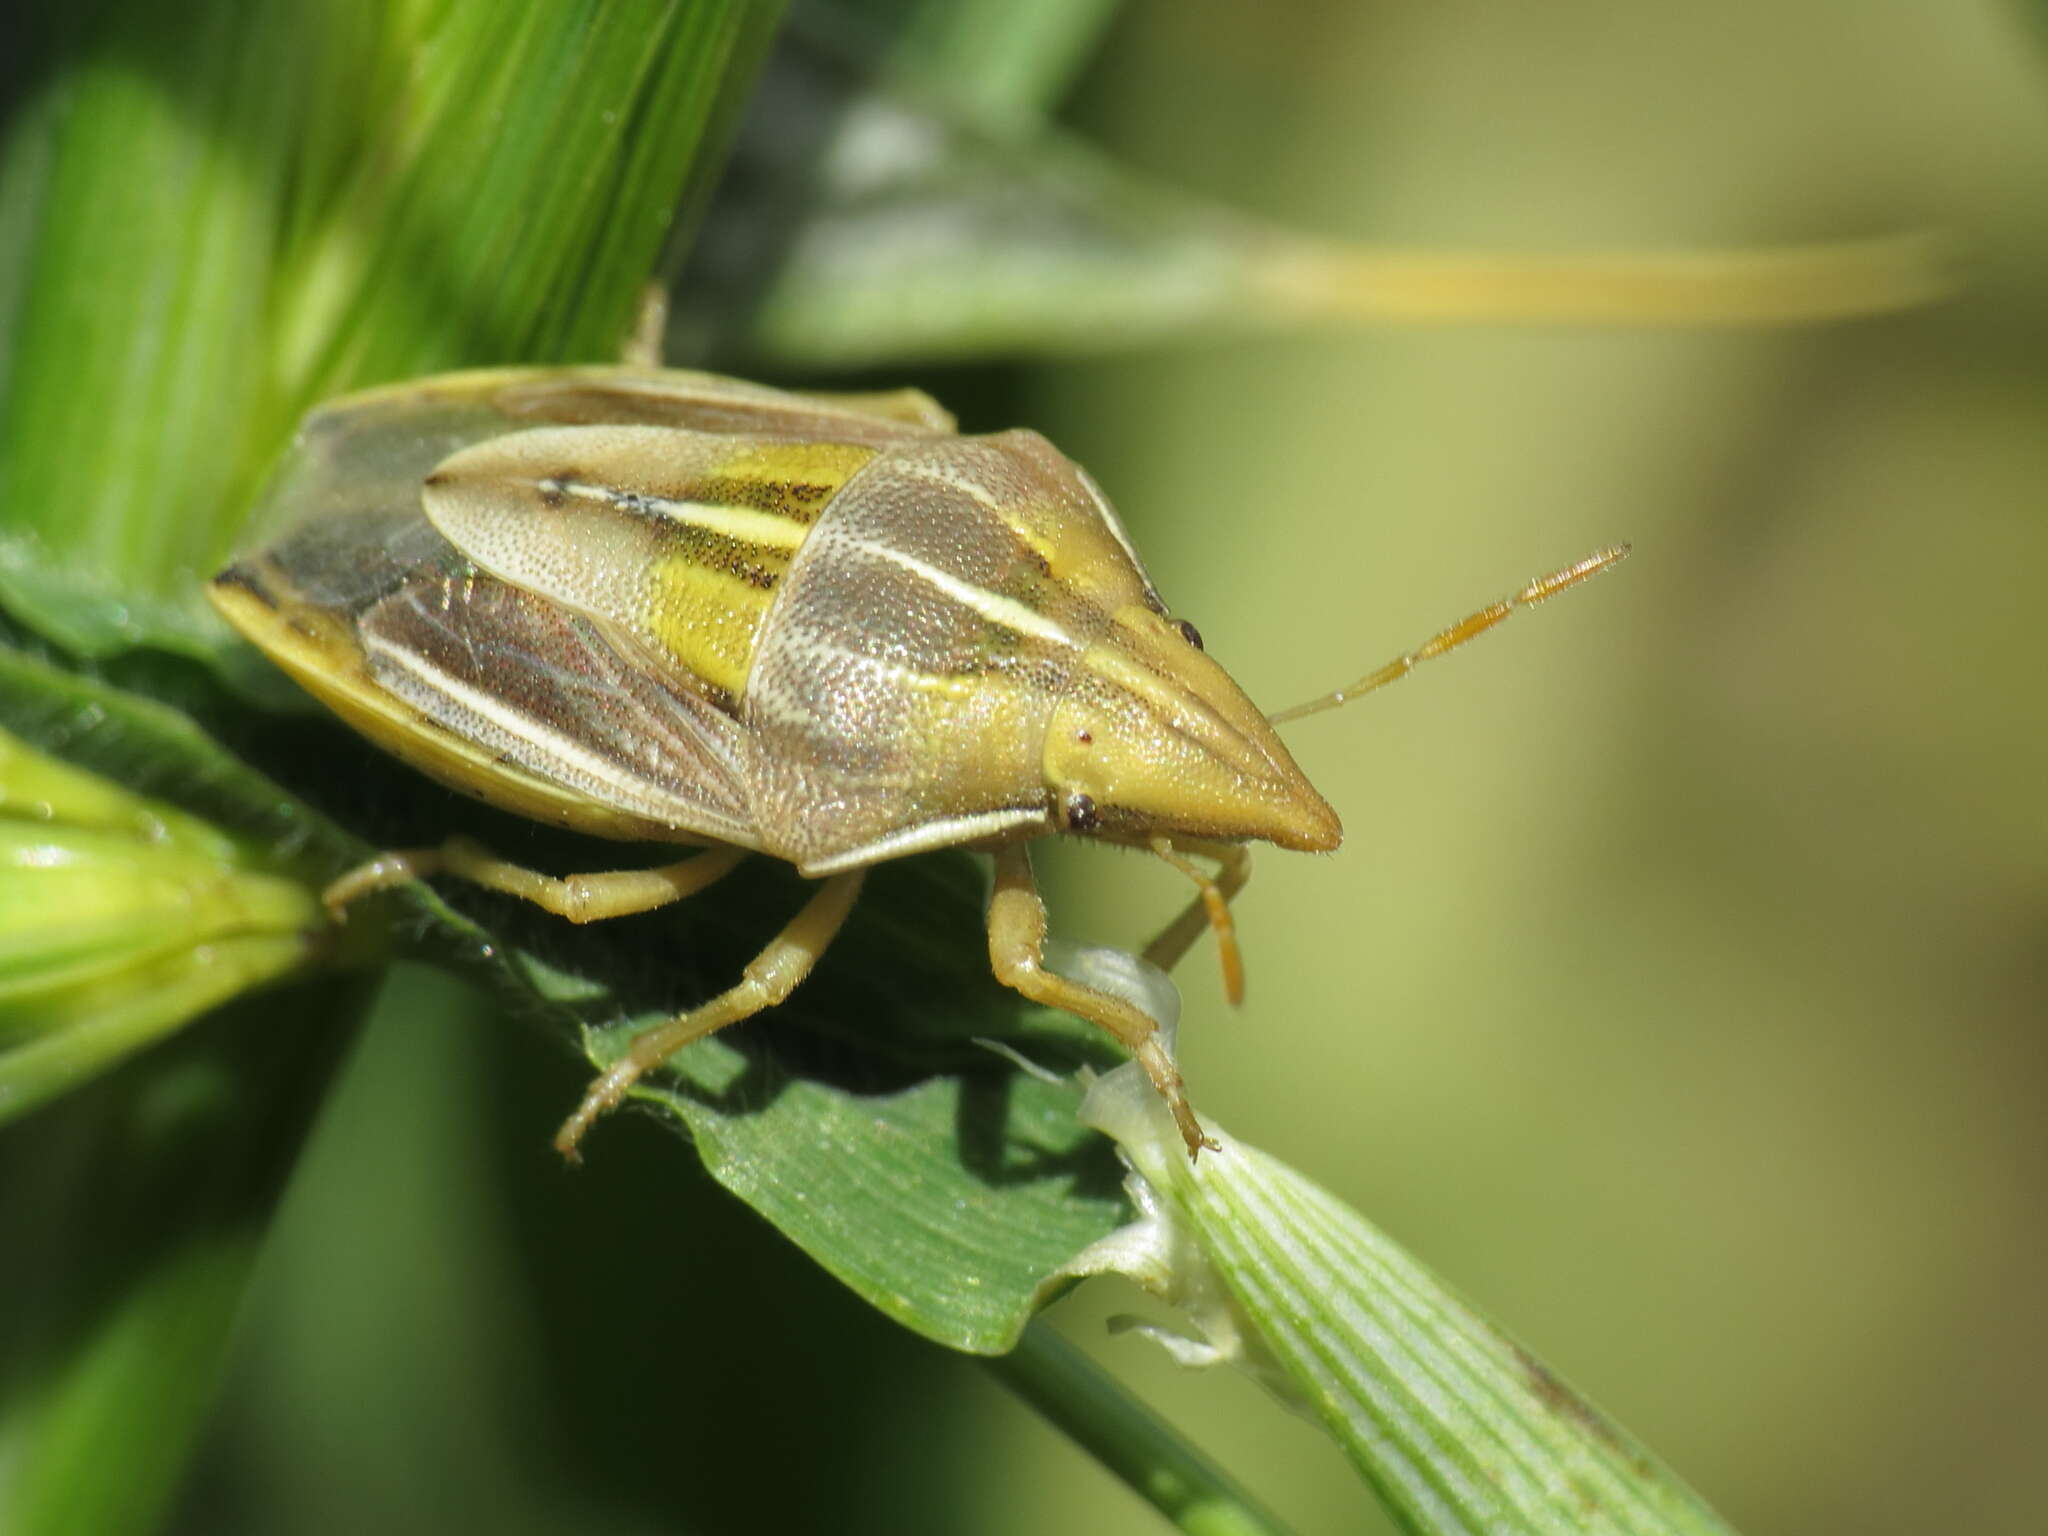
(1016, 950)
(1209, 909)
(643, 348)
(769, 978)
(580, 898)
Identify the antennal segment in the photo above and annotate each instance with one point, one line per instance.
(1465, 629)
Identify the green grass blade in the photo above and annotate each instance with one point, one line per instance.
(913, 230)
(211, 215)
(1457, 1427)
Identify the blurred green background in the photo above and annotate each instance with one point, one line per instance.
(1679, 992)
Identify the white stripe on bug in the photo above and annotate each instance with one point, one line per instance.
(941, 832)
(742, 523)
(993, 606)
(952, 480)
(570, 757)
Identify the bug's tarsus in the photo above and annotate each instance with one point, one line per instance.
(1209, 910)
(400, 866)
(1016, 951)
(1166, 1081)
(768, 979)
(1468, 628)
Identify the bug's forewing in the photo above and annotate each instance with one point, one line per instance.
(492, 690)
(494, 686)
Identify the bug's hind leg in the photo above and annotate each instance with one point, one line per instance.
(769, 978)
(1016, 950)
(580, 898)
(643, 349)
(1209, 909)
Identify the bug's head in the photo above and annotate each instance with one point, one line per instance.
(1153, 737)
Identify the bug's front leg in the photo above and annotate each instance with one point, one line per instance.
(1209, 909)
(769, 978)
(1016, 950)
(580, 898)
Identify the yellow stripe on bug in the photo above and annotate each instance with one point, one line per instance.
(707, 619)
(792, 480)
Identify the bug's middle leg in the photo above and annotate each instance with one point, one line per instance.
(1016, 949)
(585, 898)
(768, 979)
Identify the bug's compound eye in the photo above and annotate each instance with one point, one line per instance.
(1081, 814)
(1189, 633)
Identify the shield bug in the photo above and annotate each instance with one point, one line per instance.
(668, 607)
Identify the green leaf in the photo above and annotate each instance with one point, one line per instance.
(308, 196)
(1459, 1428)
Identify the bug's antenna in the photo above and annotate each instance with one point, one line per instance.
(1465, 629)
